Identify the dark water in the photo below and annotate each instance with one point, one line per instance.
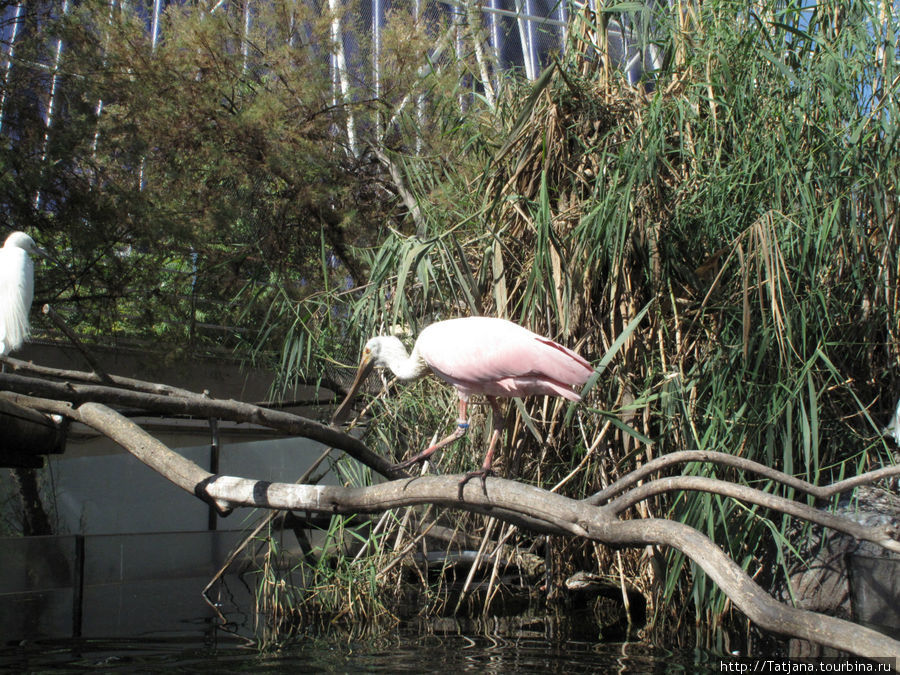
(401, 654)
(138, 609)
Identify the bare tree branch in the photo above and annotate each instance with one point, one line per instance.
(747, 596)
(528, 507)
(17, 365)
(877, 535)
(724, 459)
(408, 198)
(79, 345)
(685, 456)
(522, 505)
(199, 406)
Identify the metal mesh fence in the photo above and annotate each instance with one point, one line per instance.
(517, 35)
(494, 36)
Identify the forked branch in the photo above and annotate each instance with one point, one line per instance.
(532, 508)
(526, 506)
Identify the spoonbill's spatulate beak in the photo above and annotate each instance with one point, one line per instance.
(365, 368)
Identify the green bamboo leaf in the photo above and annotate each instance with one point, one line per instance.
(628, 429)
(413, 250)
(623, 7)
(527, 108)
(464, 281)
(526, 418)
(614, 348)
(795, 31)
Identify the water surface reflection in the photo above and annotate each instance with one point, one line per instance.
(397, 654)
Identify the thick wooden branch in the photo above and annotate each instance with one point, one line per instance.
(877, 535)
(19, 366)
(724, 459)
(28, 367)
(747, 596)
(184, 473)
(199, 406)
(523, 505)
(528, 507)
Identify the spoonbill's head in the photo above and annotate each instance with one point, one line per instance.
(379, 352)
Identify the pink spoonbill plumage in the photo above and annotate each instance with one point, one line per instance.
(479, 356)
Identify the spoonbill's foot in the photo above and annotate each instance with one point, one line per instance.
(461, 427)
(481, 473)
(401, 466)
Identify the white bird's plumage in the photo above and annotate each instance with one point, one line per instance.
(893, 428)
(16, 289)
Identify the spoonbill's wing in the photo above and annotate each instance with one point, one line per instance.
(482, 355)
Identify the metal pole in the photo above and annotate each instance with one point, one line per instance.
(213, 519)
(78, 586)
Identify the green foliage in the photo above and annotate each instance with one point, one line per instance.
(747, 197)
(329, 589)
(189, 186)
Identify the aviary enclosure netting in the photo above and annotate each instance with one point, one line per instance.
(719, 238)
(744, 198)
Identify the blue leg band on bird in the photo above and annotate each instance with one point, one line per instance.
(462, 425)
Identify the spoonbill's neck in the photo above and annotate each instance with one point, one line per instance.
(405, 366)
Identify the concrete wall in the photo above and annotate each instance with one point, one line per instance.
(95, 487)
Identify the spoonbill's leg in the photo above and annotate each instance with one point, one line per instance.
(462, 426)
(485, 470)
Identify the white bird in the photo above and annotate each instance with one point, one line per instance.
(479, 356)
(893, 428)
(16, 289)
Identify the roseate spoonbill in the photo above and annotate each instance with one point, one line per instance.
(477, 355)
(16, 289)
